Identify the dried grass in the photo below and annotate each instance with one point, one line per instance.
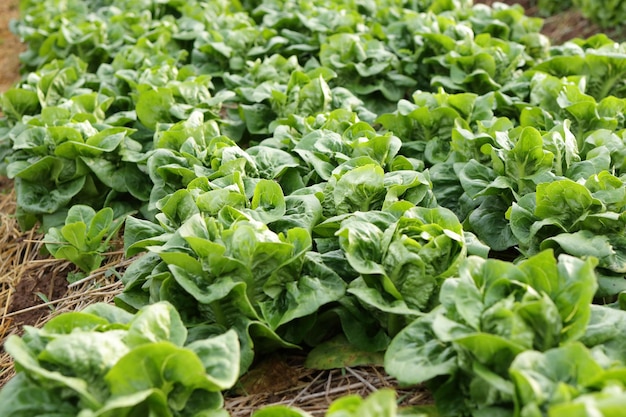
(315, 390)
(20, 259)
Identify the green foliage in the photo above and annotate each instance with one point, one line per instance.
(567, 379)
(85, 236)
(489, 317)
(314, 173)
(552, 7)
(104, 361)
(581, 219)
(606, 13)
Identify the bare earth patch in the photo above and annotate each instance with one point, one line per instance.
(10, 46)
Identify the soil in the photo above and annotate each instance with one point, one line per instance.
(10, 46)
(27, 278)
(282, 379)
(34, 289)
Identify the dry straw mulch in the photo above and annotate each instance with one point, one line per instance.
(34, 287)
(284, 381)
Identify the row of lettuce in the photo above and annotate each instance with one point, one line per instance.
(138, 365)
(293, 172)
(608, 14)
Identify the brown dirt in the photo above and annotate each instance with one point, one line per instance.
(42, 284)
(10, 46)
(27, 277)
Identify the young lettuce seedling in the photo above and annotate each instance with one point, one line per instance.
(85, 236)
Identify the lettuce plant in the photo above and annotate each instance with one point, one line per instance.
(104, 361)
(401, 255)
(230, 270)
(598, 59)
(581, 219)
(71, 152)
(566, 380)
(292, 186)
(85, 236)
(491, 313)
(606, 14)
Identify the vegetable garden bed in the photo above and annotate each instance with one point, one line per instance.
(353, 179)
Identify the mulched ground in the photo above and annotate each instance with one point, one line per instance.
(10, 46)
(34, 288)
(282, 379)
